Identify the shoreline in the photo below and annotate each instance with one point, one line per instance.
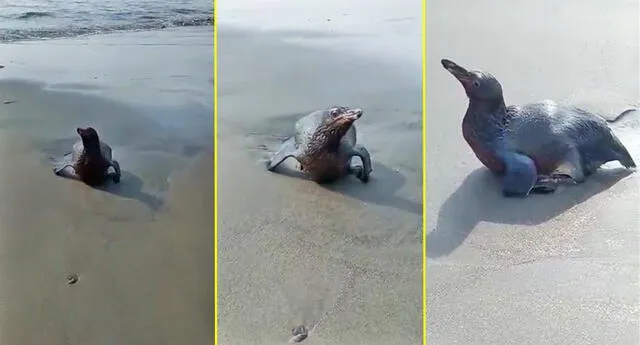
(118, 32)
(96, 66)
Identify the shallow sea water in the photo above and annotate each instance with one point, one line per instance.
(42, 19)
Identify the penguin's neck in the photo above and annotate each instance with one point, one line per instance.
(484, 121)
(495, 107)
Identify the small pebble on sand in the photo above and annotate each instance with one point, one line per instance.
(72, 278)
(300, 333)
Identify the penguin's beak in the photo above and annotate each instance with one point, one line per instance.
(354, 113)
(459, 72)
(349, 115)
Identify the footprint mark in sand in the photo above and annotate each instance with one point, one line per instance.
(301, 333)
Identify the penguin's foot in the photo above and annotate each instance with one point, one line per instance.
(546, 184)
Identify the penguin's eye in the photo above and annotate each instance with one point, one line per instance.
(335, 111)
(476, 83)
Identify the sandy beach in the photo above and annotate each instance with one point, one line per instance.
(549, 269)
(344, 259)
(143, 249)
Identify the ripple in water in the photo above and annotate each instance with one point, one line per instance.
(43, 19)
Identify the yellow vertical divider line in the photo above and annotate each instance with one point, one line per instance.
(215, 173)
(424, 172)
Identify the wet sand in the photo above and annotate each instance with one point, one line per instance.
(143, 249)
(549, 269)
(342, 259)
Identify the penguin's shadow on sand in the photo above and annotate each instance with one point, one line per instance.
(131, 187)
(381, 189)
(478, 199)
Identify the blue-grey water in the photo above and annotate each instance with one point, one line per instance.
(44, 19)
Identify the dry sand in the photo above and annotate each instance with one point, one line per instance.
(143, 250)
(550, 269)
(345, 259)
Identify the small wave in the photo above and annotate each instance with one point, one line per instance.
(149, 23)
(184, 11)
(148, 17)
(33, 14)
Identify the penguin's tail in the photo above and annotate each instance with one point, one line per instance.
(623, 154)
(622, 115)
(627, 161)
